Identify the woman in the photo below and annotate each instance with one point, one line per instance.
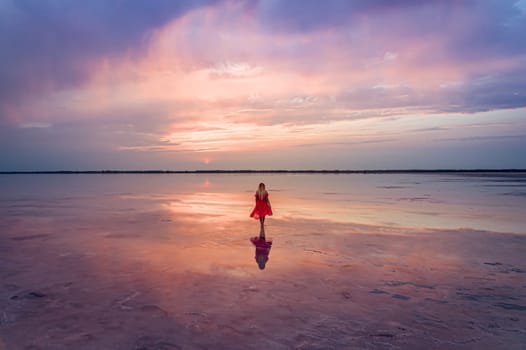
(262, 207)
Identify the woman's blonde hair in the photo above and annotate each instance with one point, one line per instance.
(261, 190)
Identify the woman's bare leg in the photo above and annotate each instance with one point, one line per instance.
(262, 226)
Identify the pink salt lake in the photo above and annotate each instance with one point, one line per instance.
(164, 261)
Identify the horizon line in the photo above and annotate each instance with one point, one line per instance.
(276, 171)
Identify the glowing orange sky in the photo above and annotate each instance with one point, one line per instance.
(215, 86)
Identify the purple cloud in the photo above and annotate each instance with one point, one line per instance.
(51, 45)
(270, 63)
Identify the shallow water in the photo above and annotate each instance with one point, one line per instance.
(164, 261)
(493, 202)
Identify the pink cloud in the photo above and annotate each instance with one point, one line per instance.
(215, 81)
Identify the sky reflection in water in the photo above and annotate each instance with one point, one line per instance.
(491, 202)
(194, 221)
(481, 202)
(350, 252)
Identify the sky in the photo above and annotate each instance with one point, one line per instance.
(262, 84)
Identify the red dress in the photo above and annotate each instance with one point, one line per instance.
(262, 208)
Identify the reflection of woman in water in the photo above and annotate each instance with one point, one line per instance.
(262, 250)
(262, 208)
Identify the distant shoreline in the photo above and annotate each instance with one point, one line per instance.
(393, 171)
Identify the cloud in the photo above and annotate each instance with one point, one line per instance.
(312, 15)
(50, 45)
(235, 70)
(35, 125)
(219, 76)
(431, 129)
(349, 143)
(485, 138)
(358, 55)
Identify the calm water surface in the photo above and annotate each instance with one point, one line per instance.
(165, 261)
(478, 201)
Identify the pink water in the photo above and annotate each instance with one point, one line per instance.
(357, 261)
